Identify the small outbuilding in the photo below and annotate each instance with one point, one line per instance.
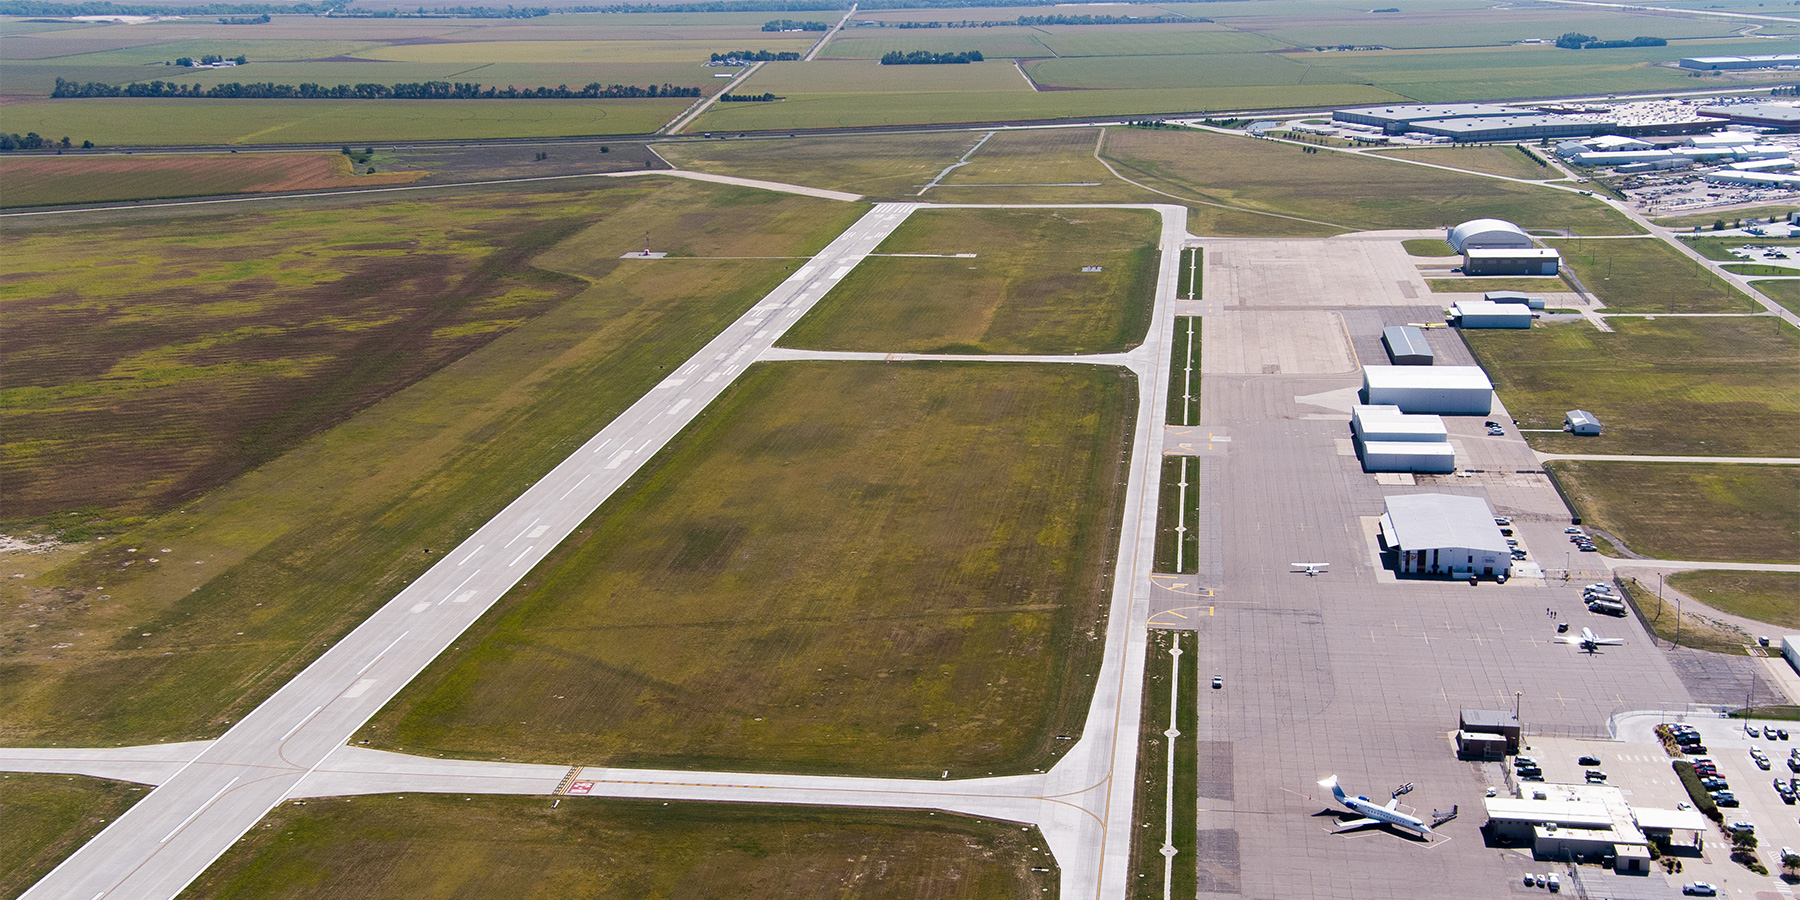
(1488, 314)
(1511, 261)
(1497, 722)
(1406, 345)
(1580, 421)
(1790, 650)
(1445, 390)
(1487, 233)
(1445, 534)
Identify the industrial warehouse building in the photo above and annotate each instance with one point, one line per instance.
(1444, 534)
(1487, 233)
(1771, 115)
(1497, 261)
(1445, 390)
(1406, 345)
(1719, 63)
(1488, 314)
(1408, 456)
(1580, 421)
(1398, 119)
(1530, 126)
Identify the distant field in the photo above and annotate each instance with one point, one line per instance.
(788, 78)
(894, 568)
(448, 847)
(1039, 156)
(40, 78)
(999, 45)
(644, 51)
(1648, 276)
(1764, 596)
(1677, 387)
(159, 121)
(881, 166)
(49, 816)
(1152, 40)
(254, 577)
(1352, 191)
(1687, 511)
(1786, 293)
(1171, 72)
(1024, 292)
(1483, 284)
(1706, 219)
(1477, 27)
(1500, 160)
(44, 180)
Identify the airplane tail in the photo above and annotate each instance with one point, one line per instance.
(1337, 790)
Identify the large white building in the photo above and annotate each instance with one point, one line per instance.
(1489, 314)
(1511, 261)
(1487, 233)
(1445, 534)
(1445, 390)
(1389, 440)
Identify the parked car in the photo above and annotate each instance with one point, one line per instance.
(1700, 889)
(1218, 682)
(1555, 883)
(1769, 732)
(1595, 776)
(1781, 733)
(1741, 828)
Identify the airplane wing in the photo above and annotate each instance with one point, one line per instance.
(1393, 804)
(1355, 823)
(1609, 642)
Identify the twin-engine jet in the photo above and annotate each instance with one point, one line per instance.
(1374, 813)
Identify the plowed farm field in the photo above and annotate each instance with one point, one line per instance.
(53, 180)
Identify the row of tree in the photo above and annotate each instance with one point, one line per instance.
(428, 90)
(791, 25)
(928, 58)
(35, 141)
(748, 98)
(755, 56)
(1575, 40)
(210, 60)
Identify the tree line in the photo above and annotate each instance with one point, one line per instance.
(1054, 20)
(35, 141)
(755, 56)
(928, 58)
(791, 25)
(748, 98)
(428, 90)
(1575, 40)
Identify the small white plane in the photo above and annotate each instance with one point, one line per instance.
(1311, 569)
(1590, 642)
(1374, 813)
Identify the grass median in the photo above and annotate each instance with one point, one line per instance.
(48, 817)
(878, 568)
(1154, 791)
(446, 847)
(1726, 512)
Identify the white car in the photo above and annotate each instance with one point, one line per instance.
(1741, 828)
(1700, 889)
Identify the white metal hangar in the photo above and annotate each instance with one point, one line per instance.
(1406, 345)
(1444, 534)
(1389, 440)
(1487, 233)
(1511, 261)
(1488, 314)
(1446, 390)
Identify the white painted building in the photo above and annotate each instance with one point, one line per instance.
(1445, 534)
(1408, 456)
(1446, 390)
(1488, 314)
(1487, 233)
(1511, 261)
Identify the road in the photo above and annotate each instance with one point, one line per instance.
(169, 838)
(687, 118)
(293, 745)
(1602, 457)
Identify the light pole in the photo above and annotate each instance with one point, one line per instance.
(1518, 704)
(1678, 620)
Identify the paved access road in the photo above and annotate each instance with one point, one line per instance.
(170, 837)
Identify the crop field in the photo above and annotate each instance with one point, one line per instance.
(1484, 283)
(643, 51)
(162, 121)
(1648, 276)
(879, 166)
(48, 816)
(1199, 39)
(999, 45)
(1763, 596)
(1476, 27)
(1497, 160)
(893, 568)
(44, 180)
(1674, 387)
(1345, 190)
(1174, 72)
(238, 588)
(1024, 292)
(785, 78)
(435, 847)
(1786, 293)
(1690, 511)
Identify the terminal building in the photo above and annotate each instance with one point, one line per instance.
(1444, 534)
(1591, 822)
(1445, 390)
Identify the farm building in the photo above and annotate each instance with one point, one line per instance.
(1406, 345)
(1488, 314)
(1446, 390)
(1486, 233)
(1408, 456)
(1511, 261)
(1521, 297)
(1580, 421)
(1445, 534)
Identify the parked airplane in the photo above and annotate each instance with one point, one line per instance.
(1590, 642)
(1311, 569)
(1374, 813)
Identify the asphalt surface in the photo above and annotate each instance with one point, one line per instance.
(154, 850)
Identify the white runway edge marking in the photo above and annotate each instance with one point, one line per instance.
(302, 723)
(360, 688)
(459, 587)
(377, 657)
(196, 813)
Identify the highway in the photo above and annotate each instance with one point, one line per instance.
(154, 850)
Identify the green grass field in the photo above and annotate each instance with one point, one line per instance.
(1038, 156)
(1772, 597)
(47, 817)
(1683, 627)
(158, 121)
(1483, 284)
(1675, 387)
(1786, 293)
(843, 567)
(1754, 270)
(54, 180)
(262, 572)
(868, 76)
(1648, 276)
(1160, 680)
(1184, 371)
(1024, 292)
(1177, 514)
(1690, 511)
(1718, 248)
(448, 847)
(1706, 219)
(1351, 191)
(1432, 248)
(1493, 160)
(880, 166)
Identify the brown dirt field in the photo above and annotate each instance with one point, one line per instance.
(47, 180)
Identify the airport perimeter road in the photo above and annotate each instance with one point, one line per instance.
(154, 850)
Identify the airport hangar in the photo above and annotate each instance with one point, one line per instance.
(1445, 534)
(1445, 390)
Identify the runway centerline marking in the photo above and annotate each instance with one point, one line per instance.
(196, 813)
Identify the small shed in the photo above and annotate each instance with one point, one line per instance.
(1491, 721)
(1580, 421)
(1406, 345)
(1488, 314)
